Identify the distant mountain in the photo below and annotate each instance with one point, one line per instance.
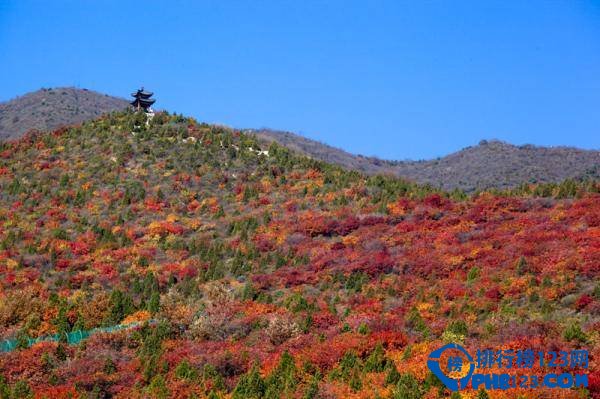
(490, 164)
(47, 109)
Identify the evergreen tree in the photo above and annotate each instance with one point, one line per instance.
(283, 379)
(376, 361)
(250, 386)
(153, 305)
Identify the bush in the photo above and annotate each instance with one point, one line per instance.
(482, 394)
(281, 329)
(473, 274)
(158, 388)
(363, 329)
(4, 388)
(596, 292)
(415, 322)
(312, 390)
(522, 266)
(215, 322)
(185, 371)
(575, 333)
(393, 376)
(109, 366)
(458, 327)
(22, 390)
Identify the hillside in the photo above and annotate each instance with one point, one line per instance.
(490, 164)
(255, 272)
(47, 109)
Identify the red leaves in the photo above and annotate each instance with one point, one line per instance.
(180, 271)
(583, 301)
(57, 392)
(154, 205)
(493, 293)
(594, 384)
(263, 243)
(313, 224)
(63, 264)
(79, 248)
(165, 227)
(337, 246)
(348, 225)
(193, 205)
(434, 200)
(106, 270)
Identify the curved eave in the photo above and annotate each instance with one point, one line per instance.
(142, 101)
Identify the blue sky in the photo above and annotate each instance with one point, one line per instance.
(397, 79)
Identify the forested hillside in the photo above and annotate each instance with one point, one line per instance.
(256, 272)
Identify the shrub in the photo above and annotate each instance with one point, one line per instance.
(473, 274)
(22, 390)
(312, 390)
(158, 388)
(363, 328)
(4, 388)
(522, 266)
(109, 366)
(415, 322)
(281, 329)
(482, 394)
(458, 327)
(596, 292)
(185, 371)
(393, 376)
(575, 333)
(583, 301)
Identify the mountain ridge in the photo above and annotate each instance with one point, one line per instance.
(489, 164)
(467, 168)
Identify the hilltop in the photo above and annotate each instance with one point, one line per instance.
(48, 109)
(256, 272)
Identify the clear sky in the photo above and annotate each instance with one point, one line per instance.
(397, 79)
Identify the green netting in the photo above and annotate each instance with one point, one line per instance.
(74, 337)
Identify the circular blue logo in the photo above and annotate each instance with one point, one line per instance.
(455, 364)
